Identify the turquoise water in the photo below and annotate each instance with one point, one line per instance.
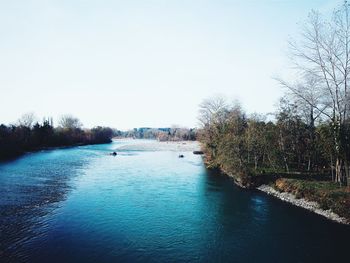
(82, 205)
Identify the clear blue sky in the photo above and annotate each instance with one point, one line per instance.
(143, 63)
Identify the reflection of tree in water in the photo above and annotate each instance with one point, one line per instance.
(234, 216)
(36, 189)
(255, 227)
(233, 202)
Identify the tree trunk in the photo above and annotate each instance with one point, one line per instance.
(341, 162)
(255, 162)
(337, 171)
(271, 162)
(284, 153)
(286, 164)
(347, 172)
(333, 178)
(340, 171)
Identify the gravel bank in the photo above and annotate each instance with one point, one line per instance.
(312, 206)
(153, 145)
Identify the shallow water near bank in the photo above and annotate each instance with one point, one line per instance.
(81, 204)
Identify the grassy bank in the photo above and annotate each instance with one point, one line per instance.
(314, 188)
(328, 195)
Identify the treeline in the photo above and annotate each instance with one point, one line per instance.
(161, 134)
(311, 129)
(30, 135)
(251, 145)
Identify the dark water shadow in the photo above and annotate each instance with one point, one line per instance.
(260, 228)
(31, 188)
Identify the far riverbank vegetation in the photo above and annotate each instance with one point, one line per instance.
(28, 134)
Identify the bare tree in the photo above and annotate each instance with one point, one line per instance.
(70, 122)
(308, 95)
(212, 110)
(212, 116)
(255, 139)
(27, 120)
(323, 55)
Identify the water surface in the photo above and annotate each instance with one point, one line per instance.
(82, 205)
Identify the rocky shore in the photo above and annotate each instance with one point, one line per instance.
(311, 206)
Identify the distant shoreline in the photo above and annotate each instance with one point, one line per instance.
(154, 145)
(47, 148)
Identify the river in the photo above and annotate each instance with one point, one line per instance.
(81, 204)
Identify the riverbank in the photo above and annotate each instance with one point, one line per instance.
(324, 198)
(301, 202)
(18, 140)
(46, 148)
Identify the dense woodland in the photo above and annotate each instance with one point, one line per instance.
(290, 144)
(30, 135)
(310, 131)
